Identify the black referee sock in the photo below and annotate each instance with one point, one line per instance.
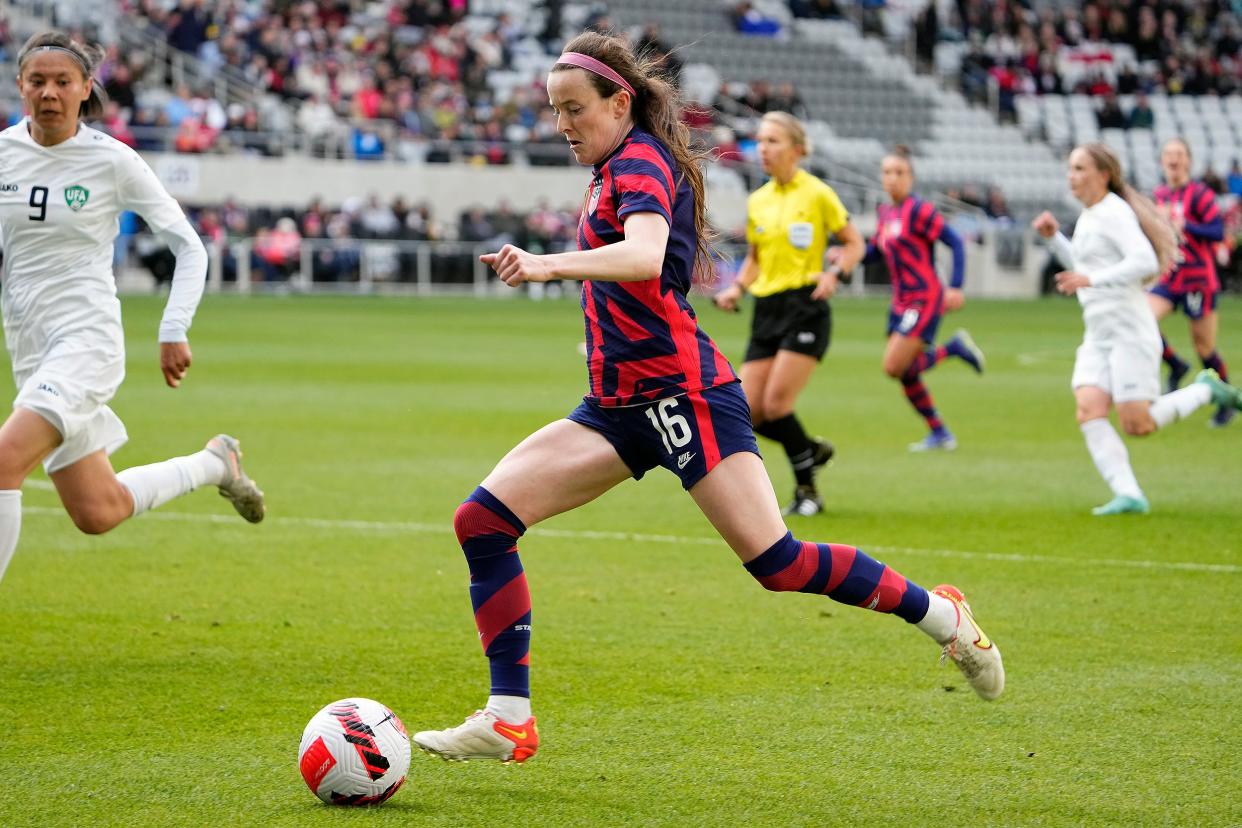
(798, 447)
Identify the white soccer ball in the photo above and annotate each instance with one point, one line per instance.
(354, 752)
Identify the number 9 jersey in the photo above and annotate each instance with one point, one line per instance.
(59, 212)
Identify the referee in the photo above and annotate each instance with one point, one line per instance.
(790, 220)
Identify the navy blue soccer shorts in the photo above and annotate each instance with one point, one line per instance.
(688, 435)
(915, 321)
(1193, 303)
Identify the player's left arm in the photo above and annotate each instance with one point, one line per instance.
(644, 192)
(930, 223)
(189, 278)
(639, 256)
(954, 298)
(844, 257)
(141, 191)
(1209, 225)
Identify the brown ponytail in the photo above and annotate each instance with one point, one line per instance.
(87, 57)
(903, 153)
(657, 109)
(1164, 238)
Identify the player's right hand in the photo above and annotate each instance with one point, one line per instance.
(175, 360)
(514, 265)
(728, 298)
(1046, 224)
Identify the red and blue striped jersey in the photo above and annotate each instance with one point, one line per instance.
(1195, 202)
(906, 234)
(643, 339)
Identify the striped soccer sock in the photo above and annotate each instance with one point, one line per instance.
(841, 572)
(920, 398)
(1170, 356)
(488, 533)
(930, 356)
(1217, 364)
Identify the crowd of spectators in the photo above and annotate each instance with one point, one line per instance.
(404, 70)
(399, 78)
(1175, 46)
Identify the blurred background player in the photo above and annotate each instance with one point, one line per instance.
(906, 233)
(1191, 283)
(62, 320)
(661, 394)
(1121, 242)
(789, 222)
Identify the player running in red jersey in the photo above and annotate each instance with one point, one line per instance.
(1191, 284)
(906, 233)
(661, 394)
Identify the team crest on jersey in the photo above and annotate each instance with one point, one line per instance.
(596, 187)
(76, 197)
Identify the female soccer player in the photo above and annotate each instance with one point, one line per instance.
(62, 188)
(1191, 283)
(661, 394)
(789, 221)
(906, 233)
(1120, 242)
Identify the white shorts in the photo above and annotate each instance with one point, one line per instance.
(1128, 370)
(70, 387)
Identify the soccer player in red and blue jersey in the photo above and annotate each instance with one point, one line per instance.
(906, 233)
(660, 394)
(1191, 284)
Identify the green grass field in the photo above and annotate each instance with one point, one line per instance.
(162, 674)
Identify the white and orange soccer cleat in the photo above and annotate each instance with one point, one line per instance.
(482, 736)
(971, 650)
(237, 488)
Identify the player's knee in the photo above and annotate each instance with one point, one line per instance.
(777, 405)
(11, 477)
(462, 524)
(12, 474)
(1137, 426)
(894, 368)
(92, 519)
(1087, 413)
(102, 511)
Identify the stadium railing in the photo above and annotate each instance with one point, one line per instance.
(1002, 262)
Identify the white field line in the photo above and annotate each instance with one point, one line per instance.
(1035, 357)
(410, 527)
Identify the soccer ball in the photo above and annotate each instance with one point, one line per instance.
(354, 752)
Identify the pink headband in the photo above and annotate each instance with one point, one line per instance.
(597, 67)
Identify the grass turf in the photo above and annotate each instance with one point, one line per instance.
(161, 674)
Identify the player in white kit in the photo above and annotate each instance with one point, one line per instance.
(1121, 243)
(63, 187)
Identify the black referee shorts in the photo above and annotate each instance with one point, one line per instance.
(790, 321)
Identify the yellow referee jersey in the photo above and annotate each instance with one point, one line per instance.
(788, 226)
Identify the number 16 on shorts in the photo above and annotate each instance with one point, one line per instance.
(673, 429)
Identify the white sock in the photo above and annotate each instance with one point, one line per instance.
(511, 709)
(1180, 404)
(10, 525)
(941, 619)
(158, 483)
(1111, 458)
